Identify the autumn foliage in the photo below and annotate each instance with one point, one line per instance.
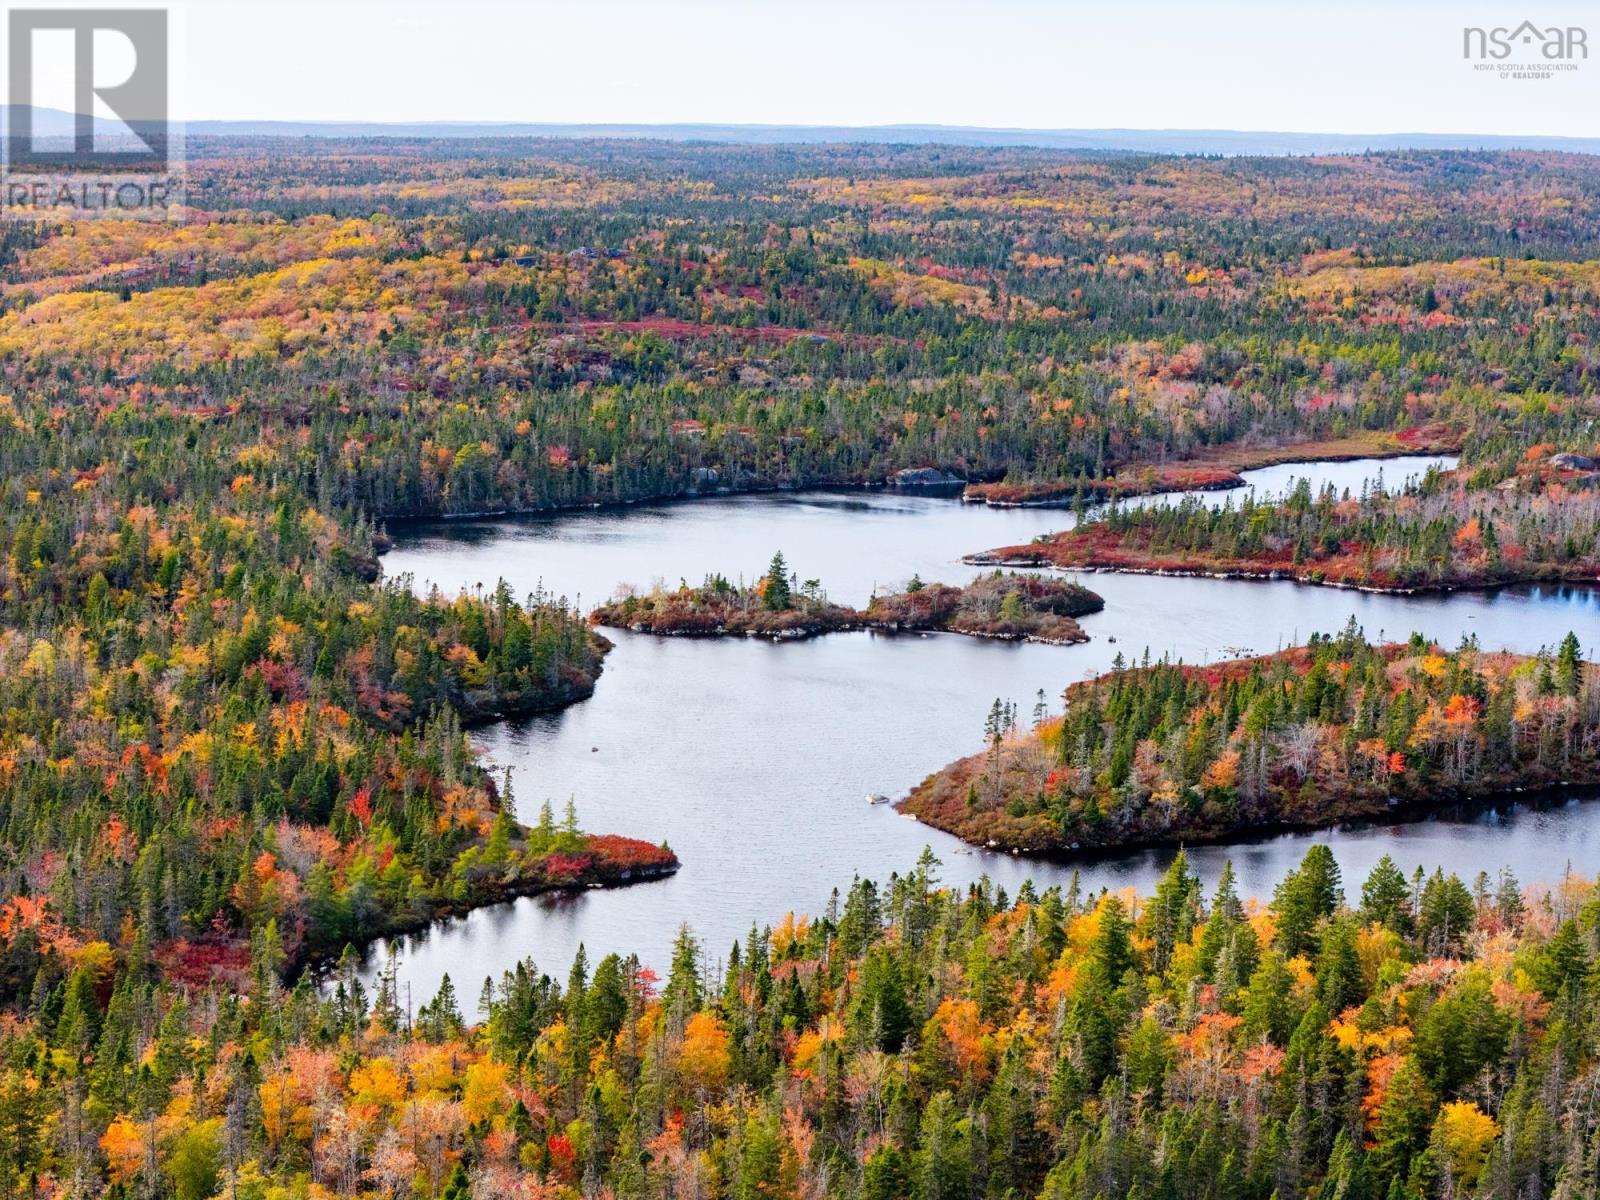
(1053, 1044)
(1161, 752)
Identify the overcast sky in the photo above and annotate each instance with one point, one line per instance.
(1298, 65)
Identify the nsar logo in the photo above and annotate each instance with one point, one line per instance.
(1554, 43)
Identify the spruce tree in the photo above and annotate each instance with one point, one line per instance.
(775, 593)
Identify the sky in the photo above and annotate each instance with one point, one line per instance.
(1290, 65)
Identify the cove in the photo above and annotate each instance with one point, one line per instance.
(754, 760)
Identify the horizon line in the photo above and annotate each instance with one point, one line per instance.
(862, 126)
(1056, 130)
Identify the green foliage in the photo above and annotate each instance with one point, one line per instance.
(775, 588)
(922, 1041)
(226, 749)
(1339, 728)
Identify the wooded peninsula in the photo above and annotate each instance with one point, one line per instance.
(1161, 753)
(1540, 524)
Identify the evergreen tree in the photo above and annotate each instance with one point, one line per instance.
(1569, 666)
(682, 995)
(776, 594)
(1446, 913)
(1386, 897)
(1173, 911)
(1306, 896)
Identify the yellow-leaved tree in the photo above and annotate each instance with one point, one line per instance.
(1462, 1135)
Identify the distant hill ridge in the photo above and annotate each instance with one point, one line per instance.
(55, 123)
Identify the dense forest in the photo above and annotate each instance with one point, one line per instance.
(1419, 1037)
(419, 329)
(228, 748)
(1160, 752)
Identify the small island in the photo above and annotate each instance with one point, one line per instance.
(1541, 525)
(1162, 753)
(1008, 606)
(776, 606)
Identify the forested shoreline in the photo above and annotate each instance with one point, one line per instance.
(1161, 753)
(1416, 1036)
(1540, 525)
(1216, 470)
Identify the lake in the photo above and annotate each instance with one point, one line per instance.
(753, 760)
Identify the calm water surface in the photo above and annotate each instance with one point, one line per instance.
(754, 760)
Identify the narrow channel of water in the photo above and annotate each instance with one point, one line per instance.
(754, 760)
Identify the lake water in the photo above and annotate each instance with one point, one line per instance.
(754, 759)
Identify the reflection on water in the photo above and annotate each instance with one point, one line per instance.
(753, 760)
